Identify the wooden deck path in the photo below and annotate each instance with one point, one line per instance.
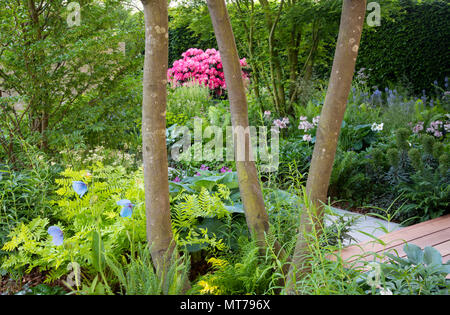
(435, 233)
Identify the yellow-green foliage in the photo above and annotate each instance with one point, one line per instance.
(187, 211)
(30, 246)
(176, 118)
(245, 273)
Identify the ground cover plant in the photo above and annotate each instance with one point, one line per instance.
(125, 177)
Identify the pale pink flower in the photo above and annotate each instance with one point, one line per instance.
(305, 125)
(418, 127)
(315, 120)
(307, 138)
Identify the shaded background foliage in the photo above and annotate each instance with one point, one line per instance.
(411, 43)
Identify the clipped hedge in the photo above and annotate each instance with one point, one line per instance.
(411, 43)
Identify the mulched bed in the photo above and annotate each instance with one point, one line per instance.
(28, 281)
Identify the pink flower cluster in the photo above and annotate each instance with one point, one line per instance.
(203, 67)
(305, 125)
(281, 123)
(434, 128)
(437, 128)
(418, 127)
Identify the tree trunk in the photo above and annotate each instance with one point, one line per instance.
(157, 206)
(351, 25)
(276, 72)
(314, 46)
(249, 186)
(293, 52)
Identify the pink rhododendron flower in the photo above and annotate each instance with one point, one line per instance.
(201, 67)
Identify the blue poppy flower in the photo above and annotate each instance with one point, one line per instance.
(79, 187)
(57, 234)
(127, 208)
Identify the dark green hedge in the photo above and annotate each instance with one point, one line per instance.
(411, 43)
(181, 38)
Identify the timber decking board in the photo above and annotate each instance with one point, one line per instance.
(434, 233)
(433, 239)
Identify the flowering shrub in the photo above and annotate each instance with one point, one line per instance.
(203, 67)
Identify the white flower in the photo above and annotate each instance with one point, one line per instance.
(374, 276)
(376, 127)
(384, 291)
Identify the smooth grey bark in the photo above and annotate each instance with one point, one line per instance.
(249, 186)
(332, 115)
(157, 205)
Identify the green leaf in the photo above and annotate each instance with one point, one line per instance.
(237, 208)
(432, 256)
(397, 259)
(414, 253)
(98, 251)
(176, 188)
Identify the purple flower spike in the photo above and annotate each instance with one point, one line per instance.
(80, 188)
(57, 234)
(127, 208)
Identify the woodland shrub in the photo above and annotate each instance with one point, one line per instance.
(202, 67)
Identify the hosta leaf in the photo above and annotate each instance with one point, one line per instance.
(414, 253)
(432, 256)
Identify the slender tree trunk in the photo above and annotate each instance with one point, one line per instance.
(157, 206)
(249, 186)
(351, 25)
(249, 32)
(314, 46)
(293, 52)
(276, 71)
